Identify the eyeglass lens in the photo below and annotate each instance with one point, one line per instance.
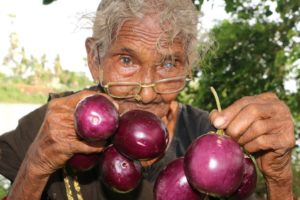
(124, 90)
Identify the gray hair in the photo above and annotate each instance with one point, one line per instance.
(180, 14)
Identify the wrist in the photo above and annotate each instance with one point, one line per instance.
(29, 182)
(280, 188)
(35, 163)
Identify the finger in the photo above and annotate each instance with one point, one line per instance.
(262, 143)
(85, 95)
(257, 129)
(247, 116)
(222, 119)
(69, 103)
(77, 97)
(69, 140)
(267, 96)
(278, 143)
(72, 100)
(88, 147)
(60, 119)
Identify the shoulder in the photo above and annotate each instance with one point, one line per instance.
(34, 116)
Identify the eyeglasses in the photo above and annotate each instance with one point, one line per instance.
(132, 89)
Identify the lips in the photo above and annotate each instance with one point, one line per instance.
(135, 104)
(130, 105)
(145, 106)
(157, 106)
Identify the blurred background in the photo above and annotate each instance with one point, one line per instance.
(255, 48)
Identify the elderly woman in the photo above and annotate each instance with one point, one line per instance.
(145, 48)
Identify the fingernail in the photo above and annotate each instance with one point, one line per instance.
(219, 122)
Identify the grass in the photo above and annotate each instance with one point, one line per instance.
(12, 94)
(18, 92)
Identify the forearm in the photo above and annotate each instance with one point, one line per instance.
(28, 184)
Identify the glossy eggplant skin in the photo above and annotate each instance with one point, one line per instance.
(248, 184)
(118, 172)
(141, 135)
(84, 162)
(96, 118)
(171, 184)
(214, 165)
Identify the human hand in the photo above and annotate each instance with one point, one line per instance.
(263, 125)
(57, 140)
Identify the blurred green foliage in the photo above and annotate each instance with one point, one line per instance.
(252, 53)
(3, 192)
(3, 187)
(257, 50)
(12, 94)
(31, 78)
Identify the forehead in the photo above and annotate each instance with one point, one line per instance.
(146, 34)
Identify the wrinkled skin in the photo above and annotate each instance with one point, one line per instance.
(57, 137)
(55, 144)
(261, 123)
(133, 56)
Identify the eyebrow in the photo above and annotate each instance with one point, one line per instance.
(127, 50)
(172, 56)
(164, 56)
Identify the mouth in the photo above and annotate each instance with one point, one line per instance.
(154, 107)
(129, 105)
(143, 106)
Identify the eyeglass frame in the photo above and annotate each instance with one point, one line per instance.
(141, 86)
(187, 77)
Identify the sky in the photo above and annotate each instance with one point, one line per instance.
(58, 28)
(51, 30)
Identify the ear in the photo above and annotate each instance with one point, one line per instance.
(92, 58)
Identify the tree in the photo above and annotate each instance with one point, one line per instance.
(248, 60)
(254, 52)
(16, 58)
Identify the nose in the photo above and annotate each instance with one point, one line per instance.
(147, 94)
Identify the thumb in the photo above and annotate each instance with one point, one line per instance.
(218, 119)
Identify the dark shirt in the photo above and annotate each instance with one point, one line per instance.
(191, 123)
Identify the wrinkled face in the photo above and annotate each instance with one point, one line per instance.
(135, 57)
